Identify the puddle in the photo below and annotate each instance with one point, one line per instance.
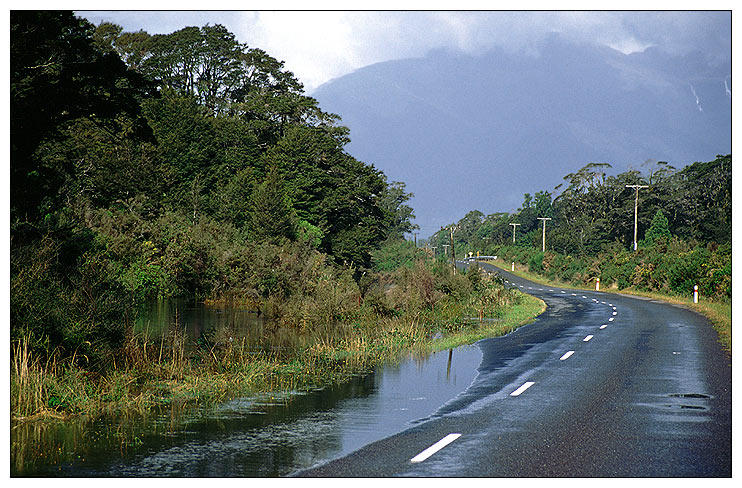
(258, 436)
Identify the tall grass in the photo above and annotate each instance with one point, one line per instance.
(399, 314)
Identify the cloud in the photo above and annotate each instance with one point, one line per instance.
(320, 45)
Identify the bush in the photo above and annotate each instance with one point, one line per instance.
(394, 254)
(664, 264)
(688, 270)
(83, 309)
(536, 263)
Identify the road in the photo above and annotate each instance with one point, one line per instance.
(600, 385)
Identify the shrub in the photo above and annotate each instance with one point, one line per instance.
(394, 254)
(536, 263)
(687, 270)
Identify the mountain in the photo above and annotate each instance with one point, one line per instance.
(477, 132)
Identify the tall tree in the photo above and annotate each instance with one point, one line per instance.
(400, 216)
(271, 215)
(58, 75)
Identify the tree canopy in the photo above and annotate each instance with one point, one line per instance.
(595, 210)
(188, 121)
(181, 164)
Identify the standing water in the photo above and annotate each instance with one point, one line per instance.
(260, 436)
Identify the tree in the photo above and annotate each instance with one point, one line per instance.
(58, 75)
(271, 215)
(659, 230)
(399, 214)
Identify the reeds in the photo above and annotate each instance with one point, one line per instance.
(175, 370)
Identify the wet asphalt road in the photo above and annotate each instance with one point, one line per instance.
(600, 385)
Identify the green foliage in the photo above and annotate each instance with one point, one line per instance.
(182, 164)
(536, 263)
(592, 229)
(57, 76)
(309, 233)
(394, 254)
(670, 267)
(399, 214)
(271, 216)
(659, 230)
(66, 293)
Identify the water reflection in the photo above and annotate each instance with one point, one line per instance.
(270, 435)
(199, 321)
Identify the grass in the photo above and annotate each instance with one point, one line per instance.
(158, 373)
(718, 313)
(516, 316)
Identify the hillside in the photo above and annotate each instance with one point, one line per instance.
(469, 132)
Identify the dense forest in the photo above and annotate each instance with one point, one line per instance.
(173, 165)
(684, 229)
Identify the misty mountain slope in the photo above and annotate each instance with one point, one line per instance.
(476, 132)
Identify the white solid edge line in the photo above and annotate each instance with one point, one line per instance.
(566, 355)
(522, 388)
(435, 448)
(587, 338)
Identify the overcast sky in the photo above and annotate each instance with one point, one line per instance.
(320, 45)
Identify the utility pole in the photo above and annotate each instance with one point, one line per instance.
(445, 250)
(434, 248)
(543, 238)
(415, 234)
(453, 250)
(636, 209)
(514, 226)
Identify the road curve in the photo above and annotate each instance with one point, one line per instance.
(600, 385)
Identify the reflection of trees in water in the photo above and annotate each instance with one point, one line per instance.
(261, 436)
(203, 325)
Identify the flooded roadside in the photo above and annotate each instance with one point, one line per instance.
(267, 436)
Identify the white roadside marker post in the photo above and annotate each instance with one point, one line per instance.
(597, 284)
(695, 293)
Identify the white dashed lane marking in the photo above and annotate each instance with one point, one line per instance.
(435, 448)
(522, 388)
(566, 355)
(587, 338)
